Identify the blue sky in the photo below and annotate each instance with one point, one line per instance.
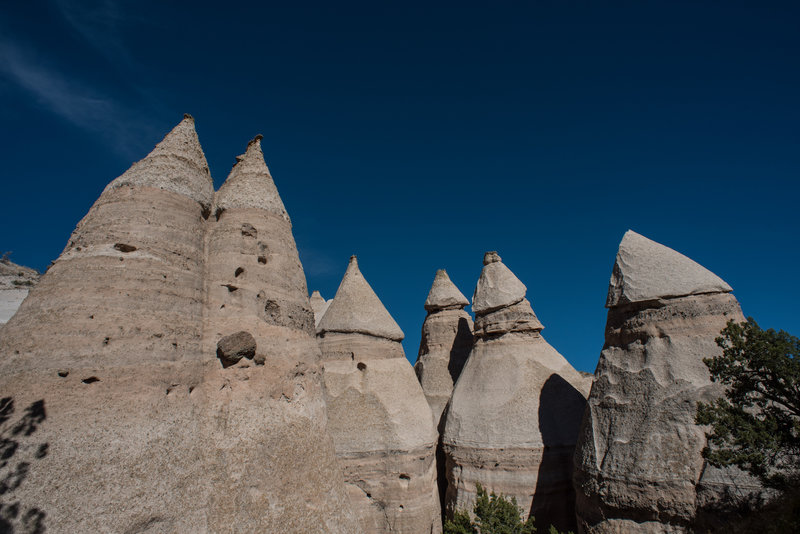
(419, 135)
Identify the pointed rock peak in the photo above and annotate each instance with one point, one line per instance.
(491, 257)
(176, 164)
(497, 287)
(356, 308)
(646, 270)
(250, 185)
(319, 305)
(444, 294)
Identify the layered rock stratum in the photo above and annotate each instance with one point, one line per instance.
(118, 415)
(639, 466)
(15, 283)
(377, 413)
(445, 344)
(515, 411)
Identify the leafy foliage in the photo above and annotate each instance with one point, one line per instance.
(493, 515)
(756, 426)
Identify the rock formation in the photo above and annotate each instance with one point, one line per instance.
(377, 413)
(319, 305)
(445, 343)
(254, 279)
(118, 414)
(15, 283)
(638, 461)
(515, 411)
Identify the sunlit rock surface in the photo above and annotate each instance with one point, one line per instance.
(380, 421)
(516, 408)
(118, 415)
(638, 461)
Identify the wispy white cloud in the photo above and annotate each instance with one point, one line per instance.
(98, 23)
(71, 100)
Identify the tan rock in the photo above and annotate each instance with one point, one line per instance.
(380, 421)
(445, 343)
(516, 408)
(120, 420)
(319, 305)
(128, 287)
(498, 287)
(638, 462)
(15, 283)
(444, 294)
(254, 279)
(356, 308)
(646, 270)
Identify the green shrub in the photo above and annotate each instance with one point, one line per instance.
(493, 515)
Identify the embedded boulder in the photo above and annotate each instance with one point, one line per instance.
(232, 348)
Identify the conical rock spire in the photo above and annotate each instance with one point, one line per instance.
(250, 184)
(356, 308)
(319, 305)
(646, 270)
(444, 294)
(176, 164)
(497, 287)
(639, 459)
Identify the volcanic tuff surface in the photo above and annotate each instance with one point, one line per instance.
(516, 408)
(110, 355)
(15, 283)
(445, 343)
(377, 413)
(638, 461)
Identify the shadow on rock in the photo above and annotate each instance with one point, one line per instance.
(462, 345)
(17, 451)
(560, 412)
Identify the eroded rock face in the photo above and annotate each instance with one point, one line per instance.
(445, 344)
(254, 278)
(638, 463)
(128, 287)
(515, 412)
(378, 416)
(15, 283)
(319, 305)
(119, 414)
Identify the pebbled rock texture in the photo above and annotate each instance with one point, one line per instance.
(380, 421)
(119, 419)
(516, 408)
(638, 463)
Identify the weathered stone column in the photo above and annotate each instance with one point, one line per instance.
(638, 462)
(377, 413)
(516, 408)
(445, 343)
